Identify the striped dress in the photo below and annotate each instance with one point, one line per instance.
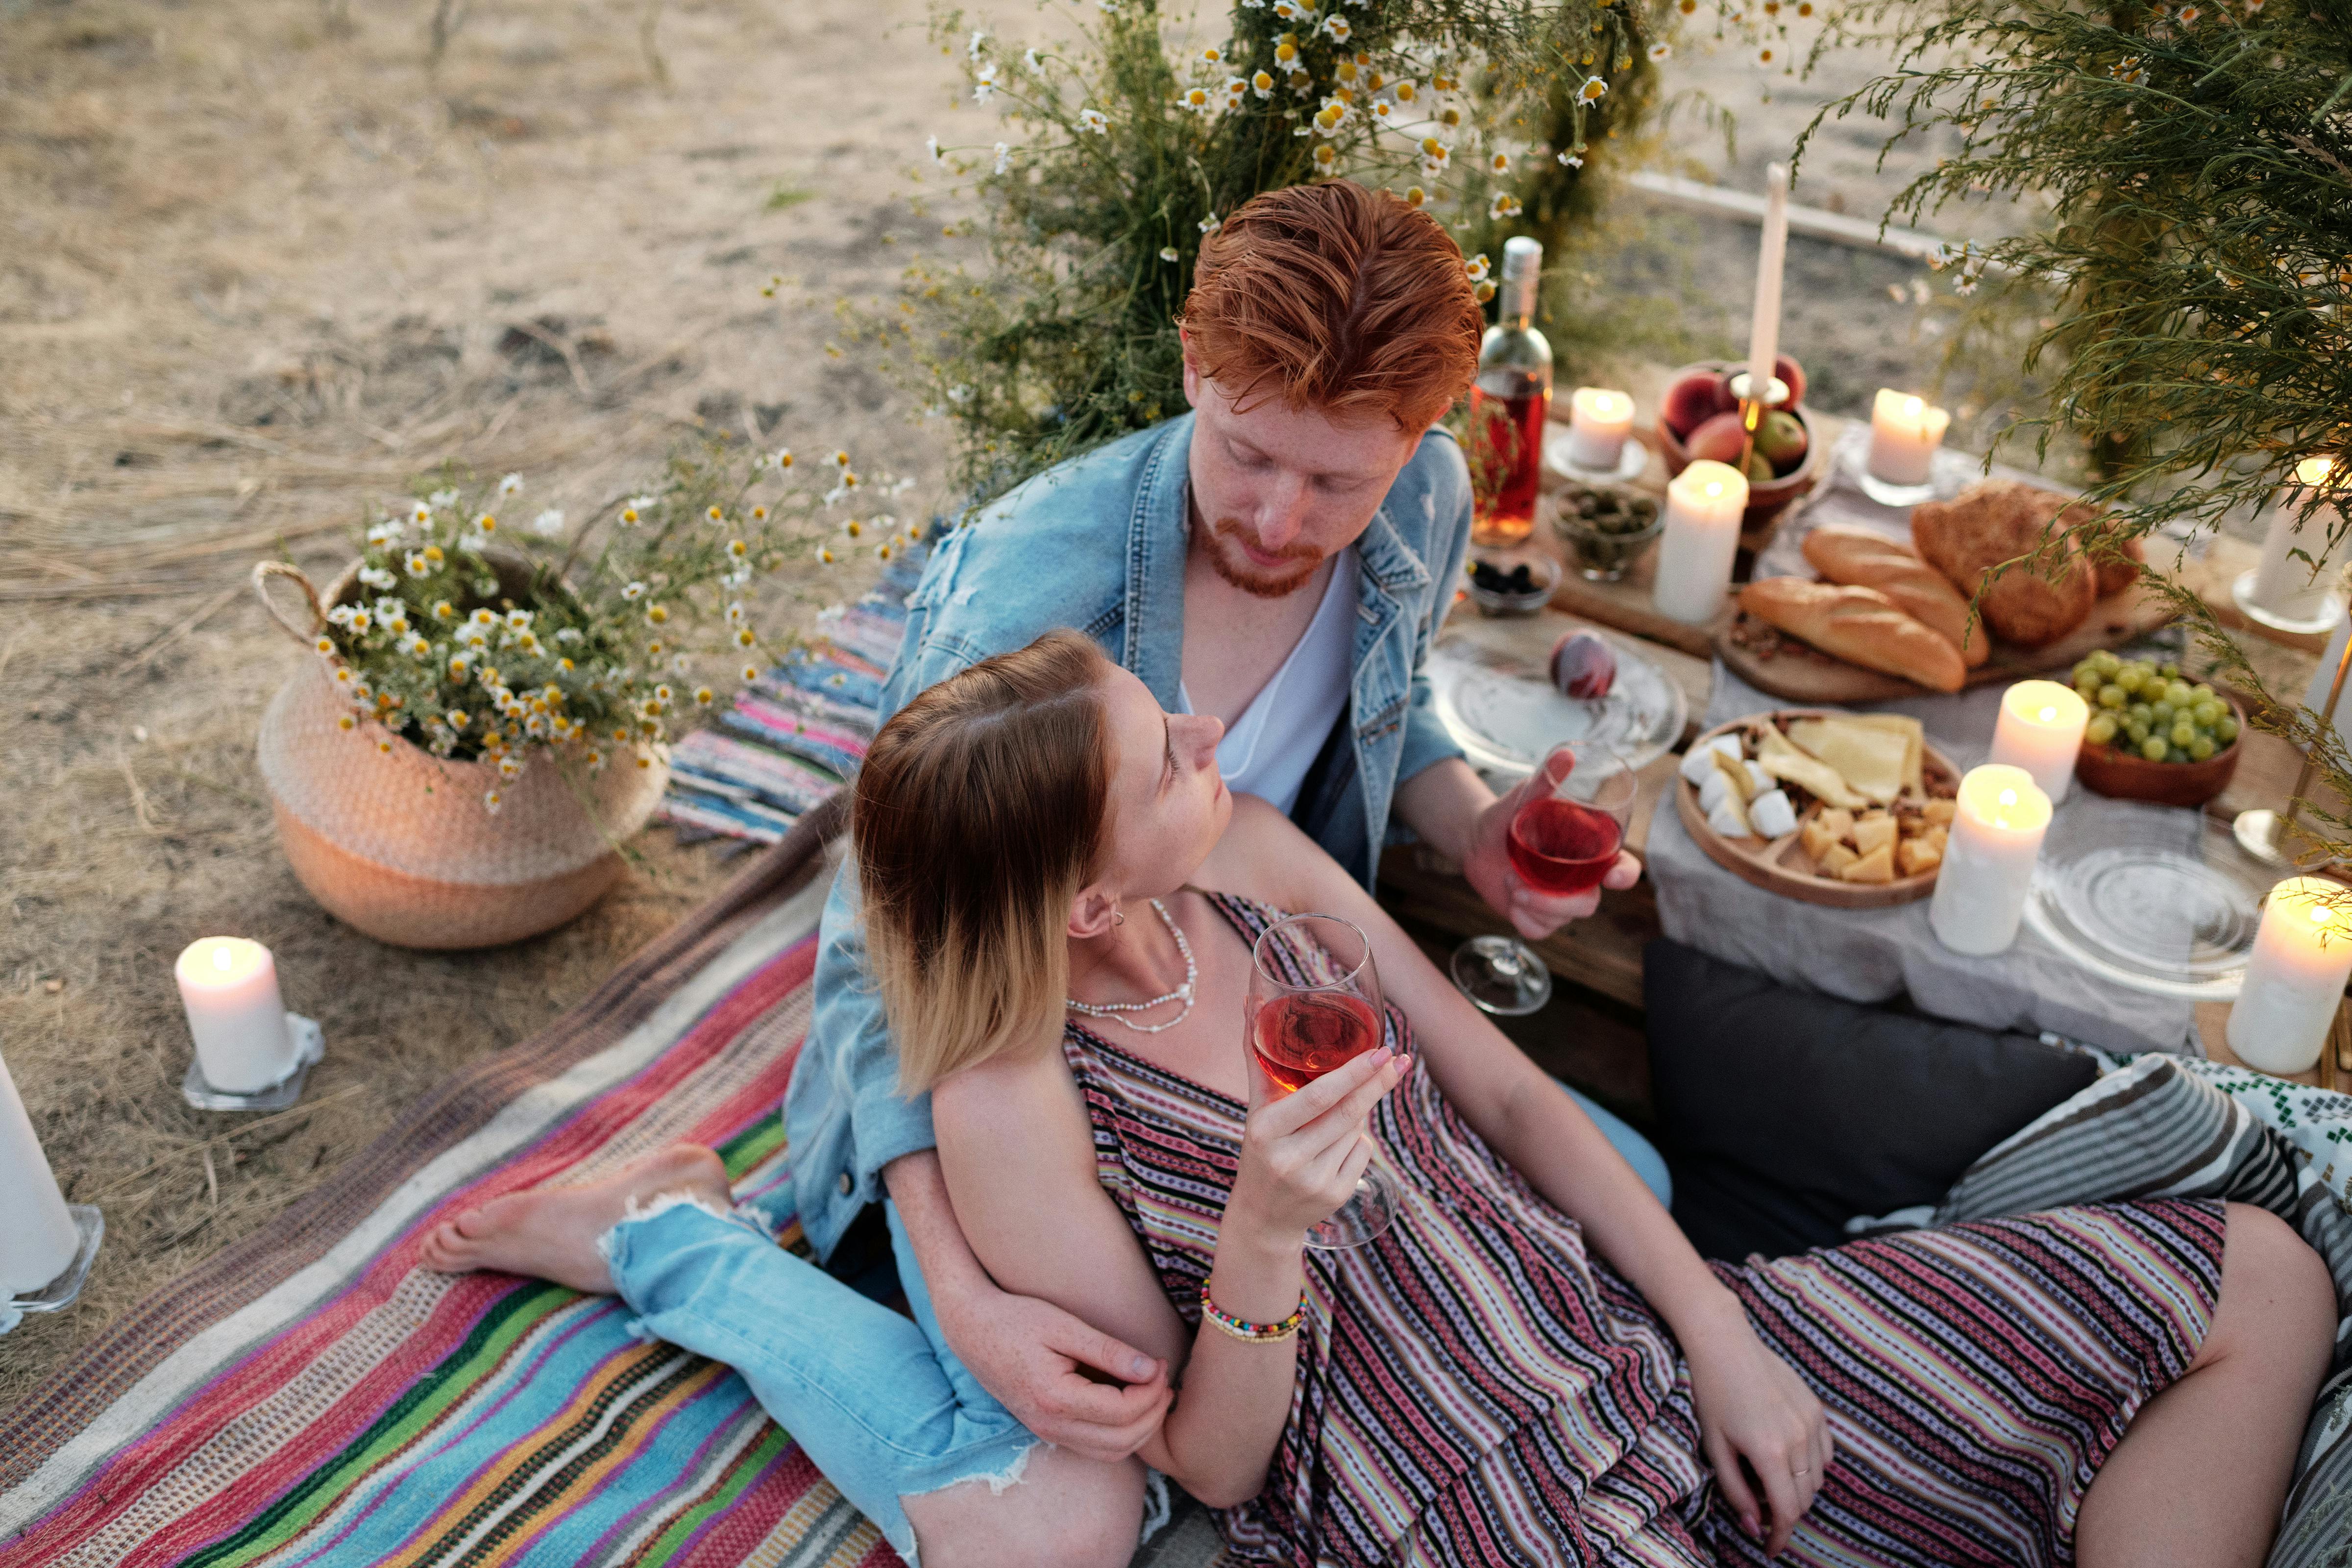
(1474, 1386)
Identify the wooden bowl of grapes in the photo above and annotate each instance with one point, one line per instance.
(2136, 750)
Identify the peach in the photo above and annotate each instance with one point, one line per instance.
(1691, 401)
(1721, 437)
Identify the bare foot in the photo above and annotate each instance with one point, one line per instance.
(550, 1233)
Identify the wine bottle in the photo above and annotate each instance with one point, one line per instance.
(1509, 404)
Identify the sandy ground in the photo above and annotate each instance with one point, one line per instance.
(258, 263)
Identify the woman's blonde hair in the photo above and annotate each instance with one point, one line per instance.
(979, 815)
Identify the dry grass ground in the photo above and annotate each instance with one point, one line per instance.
(258, 264)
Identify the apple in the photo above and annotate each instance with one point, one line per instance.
(1790, 371)
(1759, 469)
(1721, 437)
(1780, 439)
(1691, 401)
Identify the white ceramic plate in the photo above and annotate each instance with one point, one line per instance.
(1506, 714)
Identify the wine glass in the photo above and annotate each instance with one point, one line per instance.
(1314, 1005)
(1561, 841)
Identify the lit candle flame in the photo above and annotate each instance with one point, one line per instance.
(1715, 488)
(1914, 406)
(224, 958)
(2049, 715)
(2315, 472)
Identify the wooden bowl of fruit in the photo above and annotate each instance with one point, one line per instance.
(2153, 735)
(1700, 418)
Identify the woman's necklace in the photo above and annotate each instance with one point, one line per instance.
(1114, 1011)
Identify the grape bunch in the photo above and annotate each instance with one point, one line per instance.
(2149, 709)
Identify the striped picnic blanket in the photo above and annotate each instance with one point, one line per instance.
(794, 737)
(2163, 1126)
(312, 1397)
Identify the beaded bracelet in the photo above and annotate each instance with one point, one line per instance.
(1241, 1329)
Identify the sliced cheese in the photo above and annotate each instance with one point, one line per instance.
(1784, 762)
(1915, 745)
(1868, 758)
(1743, 784)
(1731, 819)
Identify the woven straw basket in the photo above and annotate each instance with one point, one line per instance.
(399, 844)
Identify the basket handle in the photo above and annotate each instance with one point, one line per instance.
(265, 572)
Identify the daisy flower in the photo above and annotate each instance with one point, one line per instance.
(1594, 91)
(1095, 121)
(632, 592)
(1572, 160)
(549, 524)
(931, 145)
(1003, 157)
(1477, 267)
(1660, 53)
(1503, 206)
(983, 82)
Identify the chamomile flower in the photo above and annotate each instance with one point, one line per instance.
(1415, 196)
(1211, 55)
(417, 565)
(359, 619)
(745, 636)
(978, 38)
(1499, 163)
(1325, 155)
(1262, 84)
(1286, 51)
(595, 760)
(1095, 121)
(1434, 156)
(738, 549)
(418, 648)
(1594, 91)
(377, 577)
(824, 555)
(656, 614)
(1003, 157)
(1236, 90)
(882, 551)
(712, 514)
(1477, 267)
(492, 801)
(931, 145)
(346, 723)
(1168, 253)
(983, 82)
(510, 484)
(517, 619)
(1197, 99)
(750, 672)
(439, 498)
(1570, 160)
(704, 697)
(419, 513)
(783, 458)
(1211, 224)
(1338, 28)
(632, 592)
(1660, 53)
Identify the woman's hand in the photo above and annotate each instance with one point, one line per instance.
(1753, 1408)
(1303, 1153)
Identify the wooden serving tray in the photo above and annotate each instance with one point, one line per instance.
(1780, 865)
(1802, 673)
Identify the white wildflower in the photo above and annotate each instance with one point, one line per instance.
(983, 82)
(1094, 120)
(1003, 157)
(549, 524)
(508, 484)
(1168, 253)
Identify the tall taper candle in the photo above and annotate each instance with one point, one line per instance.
(2294, 977)
(38, 1238)
(1764, 326)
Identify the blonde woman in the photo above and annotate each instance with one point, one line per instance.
(1530, 1365)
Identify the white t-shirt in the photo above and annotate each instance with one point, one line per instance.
(1269, 748)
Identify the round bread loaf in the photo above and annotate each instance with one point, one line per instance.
(1996, 544)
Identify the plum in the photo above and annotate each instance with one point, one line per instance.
(1781, 438)
(1691, 401)
(1585, 666)
(1721, 437)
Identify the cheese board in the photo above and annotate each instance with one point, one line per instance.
(1899, 821)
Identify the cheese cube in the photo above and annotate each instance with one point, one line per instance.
(1878, 866)
(1839, 821)
(1873, 833)
(1834, 863)
(1817, 838)
(1940, 812)
(1916, 855)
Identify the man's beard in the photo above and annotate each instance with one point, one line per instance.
(1236, 568)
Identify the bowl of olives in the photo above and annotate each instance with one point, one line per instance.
(1513, 585)
(2153, 735)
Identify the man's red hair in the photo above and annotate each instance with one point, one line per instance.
(1339, 298)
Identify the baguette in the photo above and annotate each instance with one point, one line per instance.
(1860, 558)
(1861, 625)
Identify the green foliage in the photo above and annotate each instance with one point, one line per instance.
(1124, 147)
(2197, 165)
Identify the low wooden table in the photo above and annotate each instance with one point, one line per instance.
(1602, 956)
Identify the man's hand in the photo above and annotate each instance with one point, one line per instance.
(1487, 864)
(1033, 1357)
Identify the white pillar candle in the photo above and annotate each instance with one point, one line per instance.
(38, 1238)
(1903, 435)
(229, 986)
(1598, 421)
(2294, 977)
(2041, 731)
(2284, 585)
(1772, 260)
(1997, 828)
(1704, 506)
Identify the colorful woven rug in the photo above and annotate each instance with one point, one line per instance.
(313, 1397)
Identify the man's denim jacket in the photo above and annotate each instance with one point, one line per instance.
(1098, 544)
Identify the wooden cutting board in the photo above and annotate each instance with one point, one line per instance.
(1781, 666)
(1780, 865)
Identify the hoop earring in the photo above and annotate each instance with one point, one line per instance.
(1117, 919)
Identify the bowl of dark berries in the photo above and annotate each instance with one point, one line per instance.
(1605, 528)
(1512, 585)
